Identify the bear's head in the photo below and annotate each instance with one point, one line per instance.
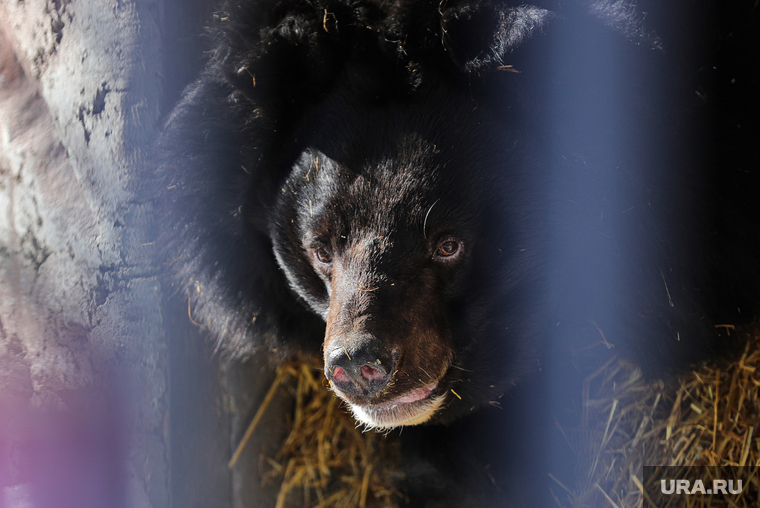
(403, 224)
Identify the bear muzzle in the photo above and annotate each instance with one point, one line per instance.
(361, 367)
(364, 374)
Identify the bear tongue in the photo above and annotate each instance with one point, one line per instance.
(415, 395)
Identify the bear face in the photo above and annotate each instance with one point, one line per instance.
(384, 228)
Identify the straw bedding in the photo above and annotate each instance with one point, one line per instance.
(326, 461)
(706, 417)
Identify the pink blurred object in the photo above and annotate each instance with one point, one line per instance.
(67, 457)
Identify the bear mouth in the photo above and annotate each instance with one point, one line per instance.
(411, 408)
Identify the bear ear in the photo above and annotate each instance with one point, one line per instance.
(478, 37)
(283, 54)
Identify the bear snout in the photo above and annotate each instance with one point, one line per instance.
(360, 367)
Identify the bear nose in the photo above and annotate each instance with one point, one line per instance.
(361, 368)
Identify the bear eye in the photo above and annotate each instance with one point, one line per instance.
(323, 255)
(447, 249)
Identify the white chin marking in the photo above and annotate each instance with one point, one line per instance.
(388, 416)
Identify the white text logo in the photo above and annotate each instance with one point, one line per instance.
(724, 487)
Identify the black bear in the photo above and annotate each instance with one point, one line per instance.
(446, 198)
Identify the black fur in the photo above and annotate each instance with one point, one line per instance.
(599, 167)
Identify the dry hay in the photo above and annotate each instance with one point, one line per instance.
(326, 461)
(706, 418)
